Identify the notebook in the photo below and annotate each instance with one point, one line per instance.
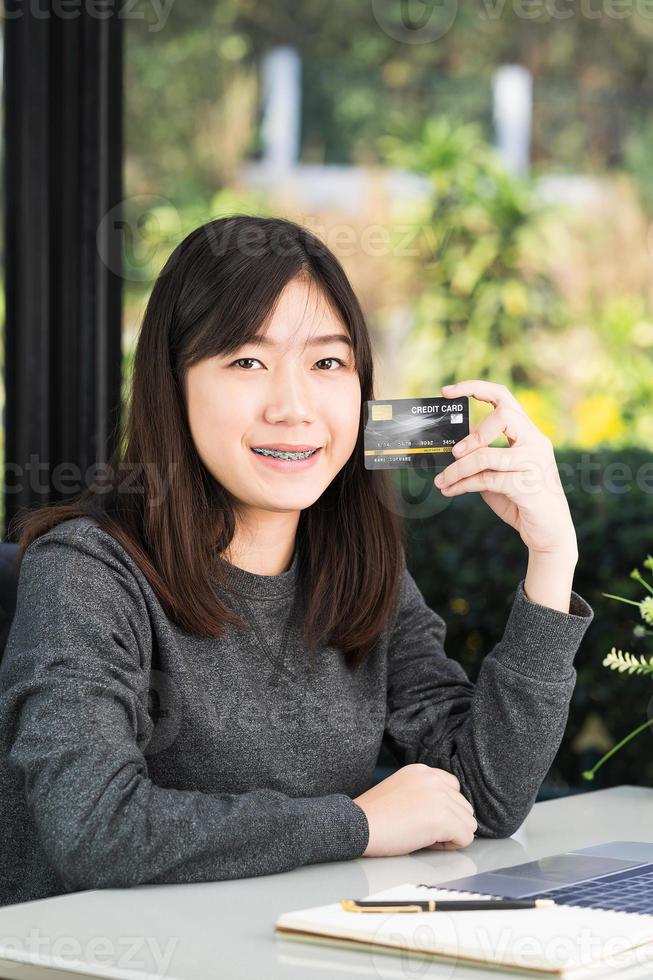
(562, 941)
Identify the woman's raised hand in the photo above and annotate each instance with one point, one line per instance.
(521, 483)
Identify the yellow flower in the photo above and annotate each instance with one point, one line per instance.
(459, 606)
(514, 298)
(598, 419)
(538, 408)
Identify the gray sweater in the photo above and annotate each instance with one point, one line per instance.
(132, 752)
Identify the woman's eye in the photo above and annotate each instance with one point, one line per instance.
(334, 360)
(245, 359)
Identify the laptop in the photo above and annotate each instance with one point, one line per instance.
(617, 875)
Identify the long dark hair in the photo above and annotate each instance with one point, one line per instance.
(216, 289)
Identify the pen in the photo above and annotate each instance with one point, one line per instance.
(431, 905)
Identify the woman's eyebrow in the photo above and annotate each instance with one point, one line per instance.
(326, 338)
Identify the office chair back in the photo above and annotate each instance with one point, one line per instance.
(8, 588)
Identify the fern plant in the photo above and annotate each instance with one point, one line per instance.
(620, 661)
(626, 662)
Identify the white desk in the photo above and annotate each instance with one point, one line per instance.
(225, 929)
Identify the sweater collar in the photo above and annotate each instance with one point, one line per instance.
(259, 586)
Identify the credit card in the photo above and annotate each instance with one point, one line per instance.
(413, 433)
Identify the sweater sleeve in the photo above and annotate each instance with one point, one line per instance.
(74, 688)
(500, 735)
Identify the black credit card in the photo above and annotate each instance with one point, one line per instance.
(413, 433)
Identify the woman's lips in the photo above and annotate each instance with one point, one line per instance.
(287, 465)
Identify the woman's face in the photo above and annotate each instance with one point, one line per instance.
(290, 388)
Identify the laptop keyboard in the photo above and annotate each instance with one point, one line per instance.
(624, 891)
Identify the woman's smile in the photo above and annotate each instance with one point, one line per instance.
(287, 465)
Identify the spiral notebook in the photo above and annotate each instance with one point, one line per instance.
(562, 941)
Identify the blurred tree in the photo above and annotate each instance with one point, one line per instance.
(638, 157)
(481, 296)
(193, 87)
(192, 102)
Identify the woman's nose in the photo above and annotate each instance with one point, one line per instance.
(288, 397)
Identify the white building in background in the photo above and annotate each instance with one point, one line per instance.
(282, 106)
(342, 187)
(350, 189)
(512, 101)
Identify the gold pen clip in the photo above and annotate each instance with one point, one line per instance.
(349, 905)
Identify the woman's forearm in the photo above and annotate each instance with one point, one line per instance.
(549, 579)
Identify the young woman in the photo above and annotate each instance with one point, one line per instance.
(209, 649)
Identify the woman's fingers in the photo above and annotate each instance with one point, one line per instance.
(463, 809)
(483, 459)
(447, 777)
(452, 786)
(505, 420)
(458, 828)
(445, 845)
(461, 800)
(460, 824)
(485, 391)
